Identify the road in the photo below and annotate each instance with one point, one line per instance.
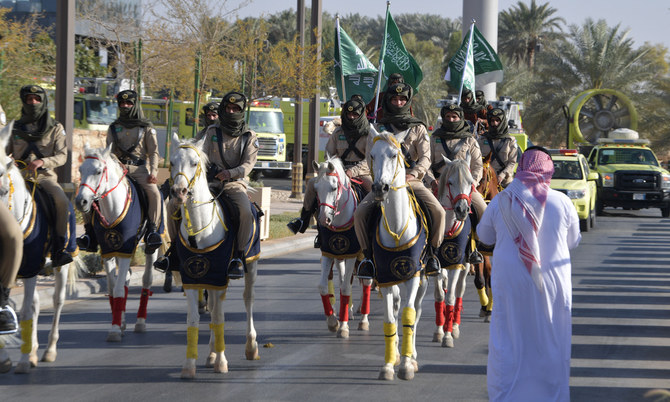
(621, 347)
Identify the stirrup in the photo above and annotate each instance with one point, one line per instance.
(152, 242)
(294, 225)
(236, 269)
(366, 269)
(84, 243)
(476, 257)
(8, 322)
(162, 264)
(432, 265)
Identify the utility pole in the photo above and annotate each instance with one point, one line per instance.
(64, 106)
(314, 106)
(296, 178)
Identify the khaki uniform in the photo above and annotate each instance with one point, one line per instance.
(239, 154)
(11, 246)
(507, 152)
(471, 147)
(147, 151)
(336, 146)
(53, 148)
(416, 141)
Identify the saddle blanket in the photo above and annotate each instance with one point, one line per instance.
(398, 264)
(339, 243)
(452, 251)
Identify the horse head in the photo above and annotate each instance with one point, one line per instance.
(188, 164)
(5, 161)
(330, 184)
(95, 171)
(456, 186)
(387, 165)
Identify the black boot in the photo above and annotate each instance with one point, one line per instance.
(476, 257)
(88, 241)
(236, 266)
(366, 269)
(167, 284)
(169, 261)
(317, 241)
(8, 322)
(432, 262)
(59, 256)
(152, 240)
(300, 224)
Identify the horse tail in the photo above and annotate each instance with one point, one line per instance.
(73, 275)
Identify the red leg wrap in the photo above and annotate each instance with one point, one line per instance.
(117, 310)
(449, 324)
(144, 300)
(111, 302)
(439, 313)
(457, 310)
(327, 307)
(365, 303)
(344, 308)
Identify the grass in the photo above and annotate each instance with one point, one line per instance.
(278, 223)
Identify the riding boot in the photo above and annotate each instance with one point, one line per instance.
(300, 224)
(432, 263)
(88, 241)
(317, 241)
(169, 261)
(8, 322)
(152, 240)
(164, 189)
(476, 257)
(236, 266)
(60, 256)
(366, 269)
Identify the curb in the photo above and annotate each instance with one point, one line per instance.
(85, 287)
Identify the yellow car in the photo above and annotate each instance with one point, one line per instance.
(573, 178)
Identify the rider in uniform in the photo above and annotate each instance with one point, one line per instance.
(394, 78)
(348, 142)
(474, 109)
(211, 112)
(38, 141)
(412, 135)
(498, 141)
(454, 139)
(135, 145)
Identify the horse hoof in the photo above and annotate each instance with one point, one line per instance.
(32, 359)
(114, 337)
(364, 326)
(22, 368)
(482, 312)
(415, 364)
(447, 341)
(211, 359)
(438, 334)
(333, 323)
(343, 333)
(5, 366)
(487, 318)
(251, 351)
(221, 367)
(386, 373)
(188, 373)
(456, 331)
(406, 372)
(140, 327)
(49, 356)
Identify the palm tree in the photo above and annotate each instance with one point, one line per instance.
(522, 29)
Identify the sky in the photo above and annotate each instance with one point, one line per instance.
(648, 20)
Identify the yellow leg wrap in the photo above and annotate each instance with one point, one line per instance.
(489, 305)
(26, 336)
(192, 342)
(483, 298)
(390, 337)
(408, 319)
(331, 292)
(201, 295)
(219, 343)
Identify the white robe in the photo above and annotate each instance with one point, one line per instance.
(529, 352)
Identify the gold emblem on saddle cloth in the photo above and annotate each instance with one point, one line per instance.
(196, 266)
(451, 252)
(114, 239)
(339, 243)
(403, 267)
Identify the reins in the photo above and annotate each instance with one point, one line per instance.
(96, 196)
(336, 205)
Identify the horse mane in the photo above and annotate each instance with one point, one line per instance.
(204, 158)
(337, 163)
(387, 137)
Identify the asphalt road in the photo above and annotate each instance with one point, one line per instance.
(621, 347)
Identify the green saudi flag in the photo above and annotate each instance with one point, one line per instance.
(352, 68)
(486, 64)
(396, 58)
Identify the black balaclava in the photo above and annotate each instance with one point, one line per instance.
(400, 117)
(453, 129)
(502, 129)
(210, 107)
(233, 123)
(359, 126)
(34, 114)
(394, 78)
(130, 117)
(471, 107)
(479, 97)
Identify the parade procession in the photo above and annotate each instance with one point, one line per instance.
(348, 210)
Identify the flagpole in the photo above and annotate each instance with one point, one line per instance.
(467, 54)
(381, 59)
(339, 51)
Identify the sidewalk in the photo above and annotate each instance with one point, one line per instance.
(87, 286)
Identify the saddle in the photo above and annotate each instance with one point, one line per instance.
(144, 204)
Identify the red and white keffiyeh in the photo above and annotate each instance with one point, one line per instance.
(522, 207)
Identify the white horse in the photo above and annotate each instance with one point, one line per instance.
(339, 246)
(107, 194)
(400, 228)
(454, 191)
(203, 229)
(19, 200)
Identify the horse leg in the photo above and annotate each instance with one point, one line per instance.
(407, 367)
(192, 321)
(480, 284)
(147, 279)
(119, 300)
(211, 355)
(448, 339)
(331, 285)
(251, 346)
(331, 319)
(202, 304)
(217, 315)
(390, 335)
(30, 308)
(60, 274)
(346, 269)
(364, 324)
(461, 277)
(439, 305)
(420, 294)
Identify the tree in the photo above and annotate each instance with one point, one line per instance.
(87, 63)
(522, 29)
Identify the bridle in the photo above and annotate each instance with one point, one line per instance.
(97, 197)
(338, 195)
(455, 227)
